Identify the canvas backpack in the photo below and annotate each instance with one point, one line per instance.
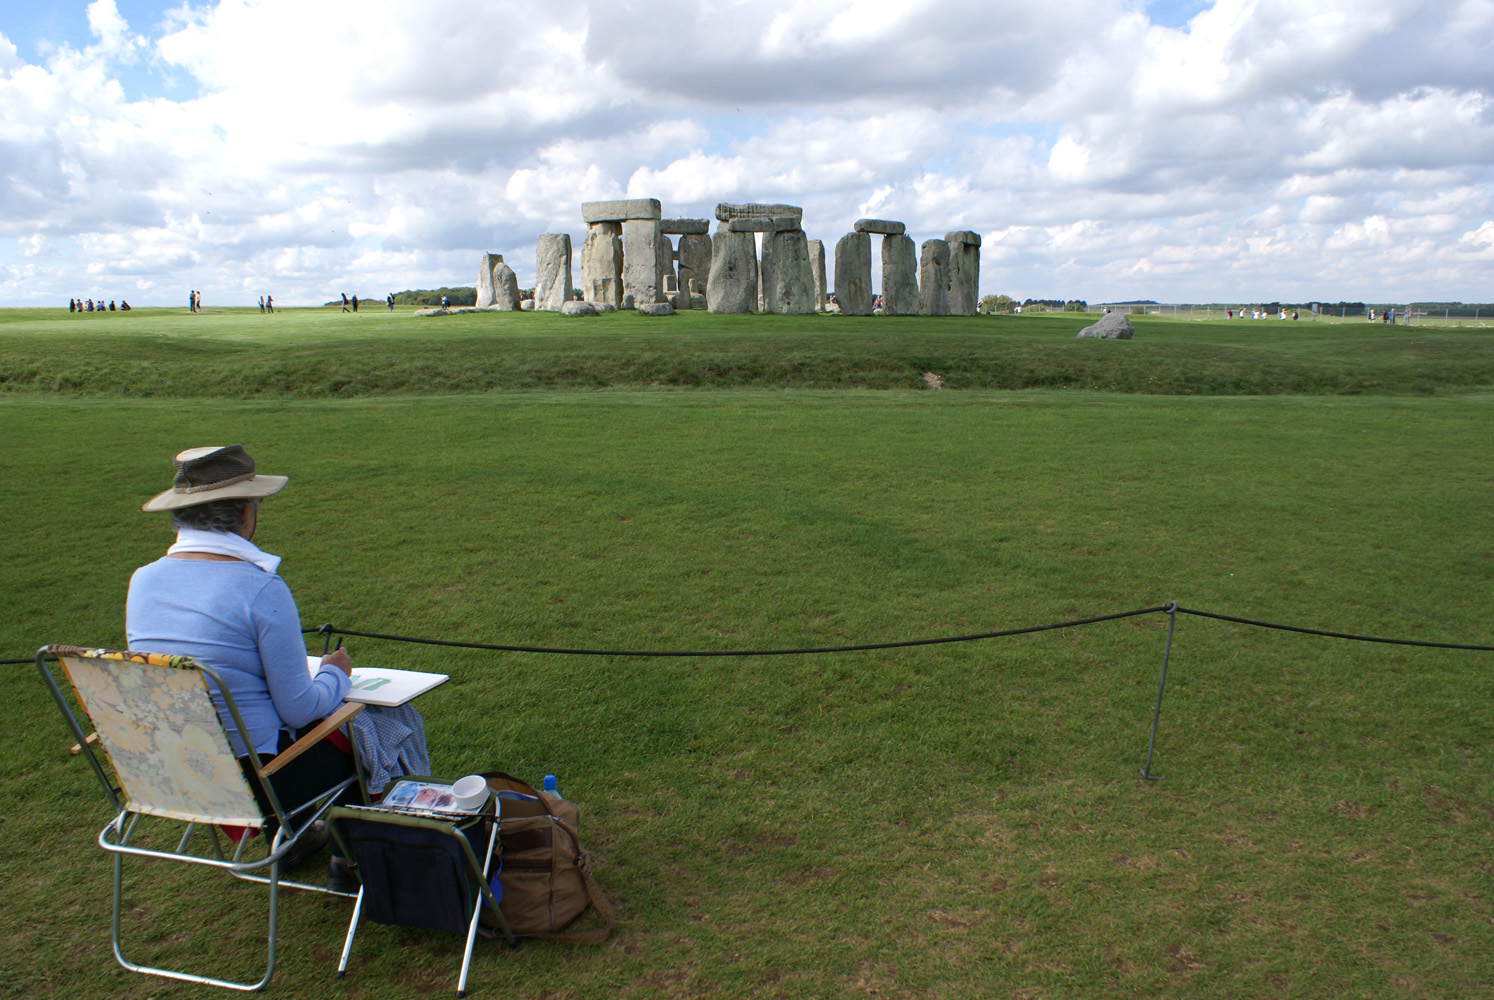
(545, 875)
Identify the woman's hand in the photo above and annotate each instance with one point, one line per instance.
(339, 659)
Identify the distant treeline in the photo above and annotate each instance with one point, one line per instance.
(466, 296)
(1455, 308)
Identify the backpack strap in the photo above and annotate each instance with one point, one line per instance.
(594, 893)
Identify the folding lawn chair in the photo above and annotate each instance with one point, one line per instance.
(421, 870)
(163, 738)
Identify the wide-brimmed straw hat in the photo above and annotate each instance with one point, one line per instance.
(218, 473)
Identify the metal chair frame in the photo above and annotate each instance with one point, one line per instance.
(115, 836)
(448, 827)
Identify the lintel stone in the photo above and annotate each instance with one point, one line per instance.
(685, 227)
(882, 227)
(621, 211)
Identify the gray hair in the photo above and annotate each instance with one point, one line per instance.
(223, 516)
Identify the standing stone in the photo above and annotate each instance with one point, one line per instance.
(695, 260)
(552, 267)
(817, 272)
(643, 277)
(601, 263)
(732, 287)
(933, 278)
(667, 276)
(899, 276)
(788, 287)
(964, 272)
(505, 287)
(485, 279)
(853, 287)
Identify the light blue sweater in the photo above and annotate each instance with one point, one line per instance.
(241, 621)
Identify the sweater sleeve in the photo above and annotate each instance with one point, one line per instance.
(299, 698)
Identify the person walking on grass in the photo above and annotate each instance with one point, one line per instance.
(269, 303)
(261, 305)
(344, 301)
(355, 303)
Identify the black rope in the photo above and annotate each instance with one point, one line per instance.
(741, 652)
(1333, 635)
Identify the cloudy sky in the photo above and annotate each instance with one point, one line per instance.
(1181, 150)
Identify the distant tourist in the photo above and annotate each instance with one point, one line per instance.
(344, 301)
(390, 300)
(90, 305)
(111, 305)
(124, 306)
(269, 303)
(444, 301)
(261, 304)
(355, 303)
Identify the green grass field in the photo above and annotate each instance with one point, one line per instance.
(951, 821)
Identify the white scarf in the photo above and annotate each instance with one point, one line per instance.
(224, 544)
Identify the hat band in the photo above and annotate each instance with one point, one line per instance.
(212, 486)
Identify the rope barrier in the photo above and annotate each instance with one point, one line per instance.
(329, 629)
(1333, 635)
(861, 647)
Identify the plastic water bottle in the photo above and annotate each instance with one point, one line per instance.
(549, 786)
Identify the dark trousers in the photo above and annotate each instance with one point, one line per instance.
(302, 780)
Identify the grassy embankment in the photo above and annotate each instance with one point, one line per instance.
(955, 821)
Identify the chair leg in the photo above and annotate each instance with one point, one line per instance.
(476, 914)
(347, 945)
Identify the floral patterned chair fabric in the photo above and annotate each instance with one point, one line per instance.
(156, 720)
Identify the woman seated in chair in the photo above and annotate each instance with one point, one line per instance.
(215, 597)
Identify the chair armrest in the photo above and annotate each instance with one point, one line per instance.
(331, 722)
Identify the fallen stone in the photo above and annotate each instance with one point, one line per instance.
(964, 278)
(964, 236)
(899, 275)
(853, 287)
(656, 309)
(438, 311)
(817, 273)
(732, 286)
(601, 263)
(685, 227)
(620, 211)
(527, 305)
(605, 307)
(698, 301)
(642, 276)
(552, 265)
(788, 286)
(879, 226)
(695, 260)
(1112, 326)
(574, 308)
(725, 212)
(933, 278)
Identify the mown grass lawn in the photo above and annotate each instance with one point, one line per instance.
(952, 821)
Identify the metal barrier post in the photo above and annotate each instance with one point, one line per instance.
(1172, 620)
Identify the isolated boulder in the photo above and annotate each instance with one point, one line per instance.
(574, 308)
(656, 309)
(1112, 326)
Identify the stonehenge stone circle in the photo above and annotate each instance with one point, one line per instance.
(497, 286)
(1112, 326)
(620, 211)
(964, 272)
(933, 278)
(695, 260)
(552, 266)
(601, 263)
(853, 287)
(899, 275)
(817, 272)
(732, 285)
(879, 226)
(788, 283)
(642, 275)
